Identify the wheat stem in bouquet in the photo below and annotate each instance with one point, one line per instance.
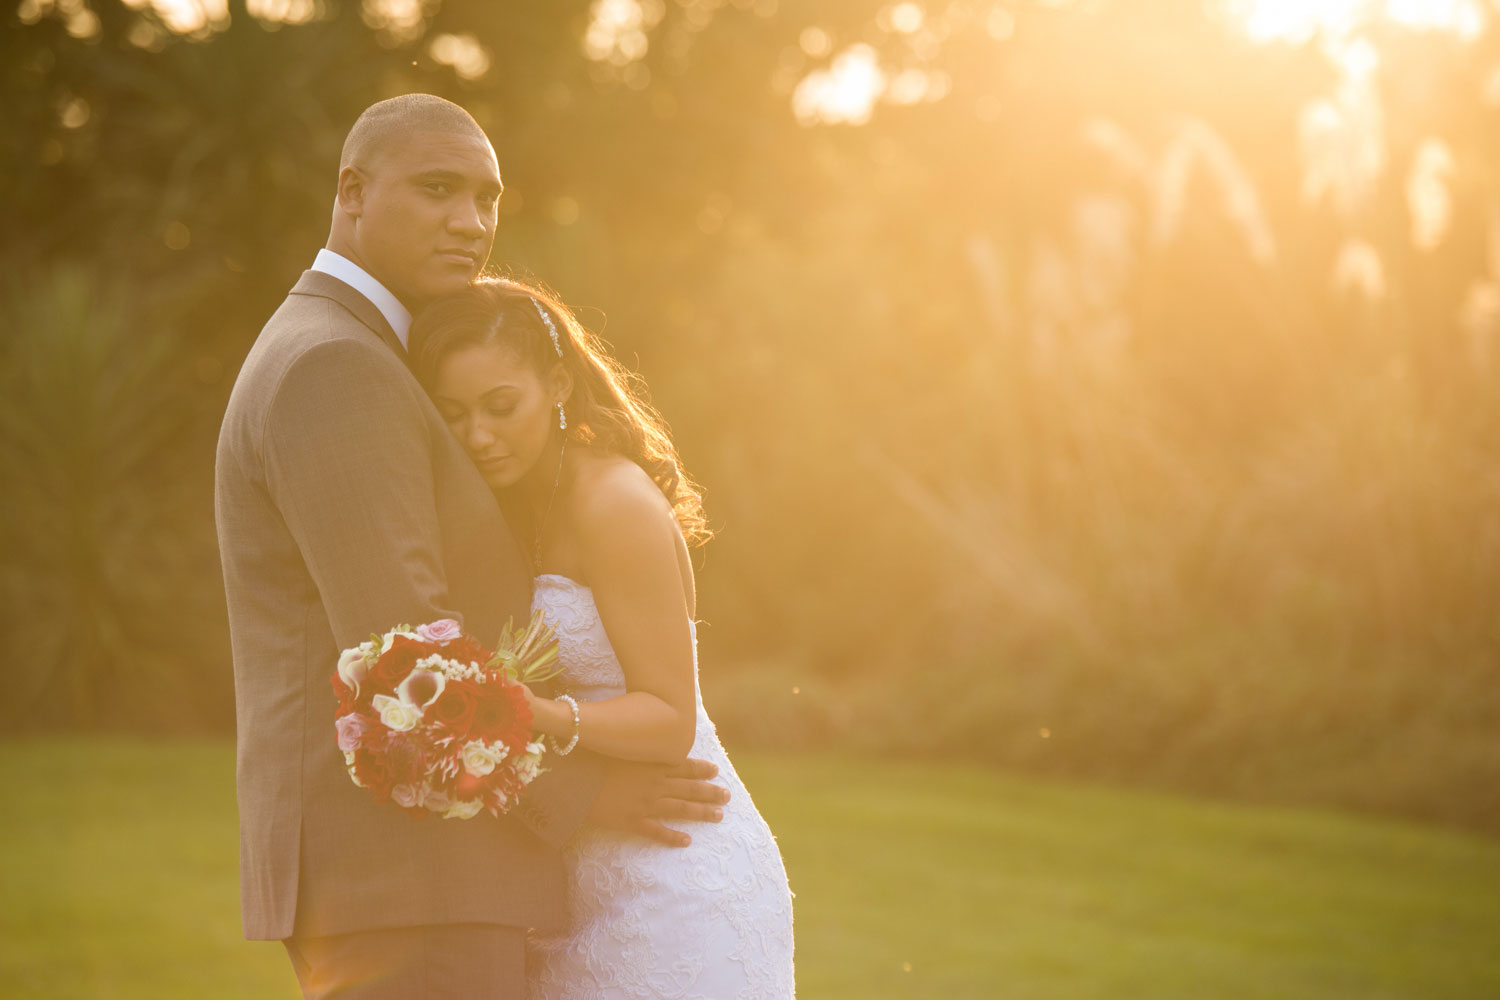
(527, 656)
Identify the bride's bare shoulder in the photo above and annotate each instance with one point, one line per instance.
(626, 530)
(610, 487)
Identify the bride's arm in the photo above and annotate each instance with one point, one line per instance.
(628, 539)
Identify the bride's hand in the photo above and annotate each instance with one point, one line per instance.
(547, 716)
(531, 698)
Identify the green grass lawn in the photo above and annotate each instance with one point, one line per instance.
(118, 879)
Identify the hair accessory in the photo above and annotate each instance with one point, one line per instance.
(551, 327)
(563, 751)
(562, 418)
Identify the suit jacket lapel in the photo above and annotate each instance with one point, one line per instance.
(327, 286)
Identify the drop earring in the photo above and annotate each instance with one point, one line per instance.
(562, 418)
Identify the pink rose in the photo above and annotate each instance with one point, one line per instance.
(352, 729)
(442, 630)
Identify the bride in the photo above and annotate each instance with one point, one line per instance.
(591, 481)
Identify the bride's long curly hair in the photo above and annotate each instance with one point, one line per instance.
(608, 409)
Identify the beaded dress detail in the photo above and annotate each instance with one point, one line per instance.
(712, 921)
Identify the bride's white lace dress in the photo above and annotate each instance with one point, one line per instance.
(712, 921)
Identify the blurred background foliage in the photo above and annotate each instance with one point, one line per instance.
(1095, 387)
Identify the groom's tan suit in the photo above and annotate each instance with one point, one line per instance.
(344, 507)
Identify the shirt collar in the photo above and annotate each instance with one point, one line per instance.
(357, 278)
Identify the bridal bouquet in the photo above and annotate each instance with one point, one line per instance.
(433, 721)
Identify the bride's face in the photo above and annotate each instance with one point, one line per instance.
(500, 409)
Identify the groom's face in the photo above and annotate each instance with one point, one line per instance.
(427, 215)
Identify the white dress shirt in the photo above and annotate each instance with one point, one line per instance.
(357, 278)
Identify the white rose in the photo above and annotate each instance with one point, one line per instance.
(437, 801)
(463, 809)
(405, 796)
(395, 713)
(528, 766)
(480, 759)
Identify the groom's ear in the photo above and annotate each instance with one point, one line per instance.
(352, 191)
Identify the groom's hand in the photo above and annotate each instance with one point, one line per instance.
(636, 798)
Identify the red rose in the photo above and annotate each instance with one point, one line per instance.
(345, 695)
(456, 706)
(395, 663)
(466, 649)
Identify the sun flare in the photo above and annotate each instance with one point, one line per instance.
(1301, 20)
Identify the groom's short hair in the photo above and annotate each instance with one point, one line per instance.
(386, 123)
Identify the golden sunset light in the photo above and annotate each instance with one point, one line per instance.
(749, 498)
(1302, 20)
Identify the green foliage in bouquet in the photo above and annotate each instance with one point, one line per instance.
(527, 656)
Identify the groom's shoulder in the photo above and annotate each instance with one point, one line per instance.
(312, 330)
(311, 345)
(303, 322)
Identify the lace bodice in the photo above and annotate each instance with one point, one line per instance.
(712, 921)
(590, 667)
(590, 664)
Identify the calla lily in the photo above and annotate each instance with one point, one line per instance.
(389, 639)
(421, 688)
(353, 667)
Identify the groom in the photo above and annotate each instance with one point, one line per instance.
(344, 507)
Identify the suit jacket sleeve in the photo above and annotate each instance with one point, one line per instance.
(348, 463)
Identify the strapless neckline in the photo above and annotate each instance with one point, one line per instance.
(585, 588)
(564, 579)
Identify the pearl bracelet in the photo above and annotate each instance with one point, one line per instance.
(564, 751)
